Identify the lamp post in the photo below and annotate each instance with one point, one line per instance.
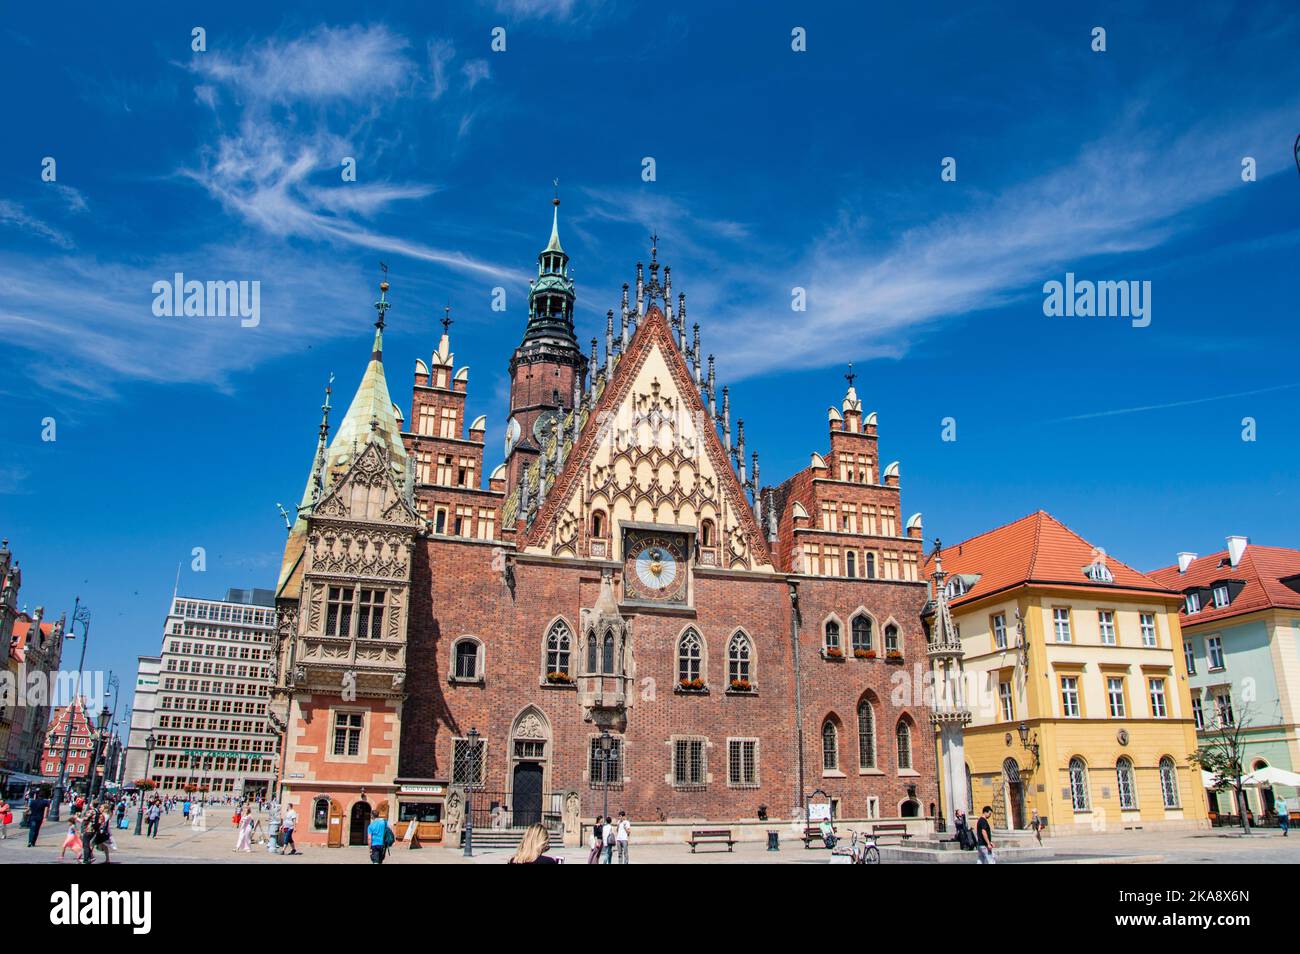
(82, 614)
(149, 743)
(606, 744)
(101, 738)
(1029, 746)
(468, 849)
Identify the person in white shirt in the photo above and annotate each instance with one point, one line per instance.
(621, 837)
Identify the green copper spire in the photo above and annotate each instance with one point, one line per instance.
(554, 244)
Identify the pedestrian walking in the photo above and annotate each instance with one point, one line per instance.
(290, 823)
(984, 837)
(73, 839)
(607, 835)
(152, 816)
(381, 839)
(6, 818)
(36, 809)
(185, 809)
(597, 841)
(532, 848)
(244, 842)
(1283, 814)
(621, 837)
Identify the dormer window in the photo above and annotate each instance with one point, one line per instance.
(1192, 603)
(1099, 572)
(1221, 597)
(955, 587)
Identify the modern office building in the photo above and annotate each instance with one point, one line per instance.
(204, 699)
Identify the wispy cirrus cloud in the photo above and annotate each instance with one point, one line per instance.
(272, 173)
(12, 214)
(868, 296)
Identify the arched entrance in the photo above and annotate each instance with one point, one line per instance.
(910, 809)
(530, 745)
(359, 822)
(1015, 794)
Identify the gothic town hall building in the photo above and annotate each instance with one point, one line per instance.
(620, 610)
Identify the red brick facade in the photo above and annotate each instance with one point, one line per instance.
(728, 703)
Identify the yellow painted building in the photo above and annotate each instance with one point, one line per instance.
(1074, 672)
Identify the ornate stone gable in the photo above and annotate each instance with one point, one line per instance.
(650, 451)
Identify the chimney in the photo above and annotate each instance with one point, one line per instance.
(1236, 547)
(1184, 561)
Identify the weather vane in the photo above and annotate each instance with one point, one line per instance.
(446, 318)
(850, 376)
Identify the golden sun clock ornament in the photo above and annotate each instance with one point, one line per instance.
(654, 568)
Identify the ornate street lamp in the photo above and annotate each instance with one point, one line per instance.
(101, 737)
(149, 743)
(468, 850)
(1030, 746)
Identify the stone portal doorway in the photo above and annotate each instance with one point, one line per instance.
(360, 821)
(1015, 795)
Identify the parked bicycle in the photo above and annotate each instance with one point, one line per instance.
(861, 849)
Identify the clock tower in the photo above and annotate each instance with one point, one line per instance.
(548, 369)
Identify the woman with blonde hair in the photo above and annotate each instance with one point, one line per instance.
(532, 848)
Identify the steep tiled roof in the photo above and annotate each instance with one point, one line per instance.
(1034, 549)
(1260, 571)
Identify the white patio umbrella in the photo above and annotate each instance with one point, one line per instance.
(1207, 779)
(1272, 775)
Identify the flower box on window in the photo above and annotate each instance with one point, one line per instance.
(741, 685)
(864, 653)
(559, 678)
(894, 655)
(145, 784)
(833, 652)
(692, 685)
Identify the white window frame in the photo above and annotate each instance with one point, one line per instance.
(1061, 624)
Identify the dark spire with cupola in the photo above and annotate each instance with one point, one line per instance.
(548, 368)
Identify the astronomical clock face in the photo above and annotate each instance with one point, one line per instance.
(654, 567)
(542, 426)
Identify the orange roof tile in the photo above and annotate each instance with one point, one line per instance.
(1036, 549)
(1260, 570)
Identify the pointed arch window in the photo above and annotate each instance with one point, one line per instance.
(598, 524)
(832, 631)
(904, 733)
(559, 645)
(593, 654)
(830, 746)
(866, 735)
(607, 654)
(850, 564)
(870, 564)
(739, 652)
(690, 656)
(861, 628)
(891, 639)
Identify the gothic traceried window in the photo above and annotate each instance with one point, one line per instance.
(607, 654)
(558, 646)
(738, 659)
(690, 654)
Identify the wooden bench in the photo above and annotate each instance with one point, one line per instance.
(893, 829)
(813, 833)
(711, 836)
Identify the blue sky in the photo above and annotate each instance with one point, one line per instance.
(774, 169)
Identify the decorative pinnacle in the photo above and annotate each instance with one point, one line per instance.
(382, 305)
